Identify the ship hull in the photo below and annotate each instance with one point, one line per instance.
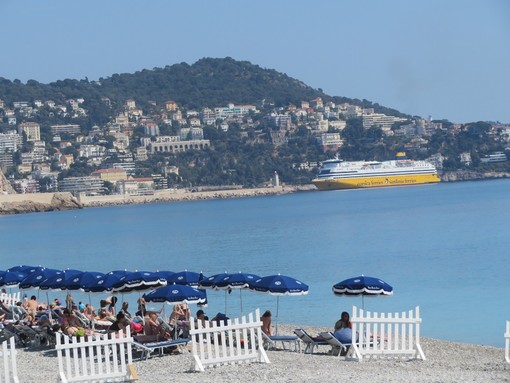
(375, 181)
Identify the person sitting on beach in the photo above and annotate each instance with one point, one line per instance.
(31, 305)
(124, 309)
(89, 312)
(201, 317)
(141, 307)
(153, 326)
(343, 330)
(120, 324)
(343, 322)
(70, 325)
(266, 323)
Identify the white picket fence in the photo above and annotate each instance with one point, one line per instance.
(380, 334)
(507, 341)
(10, 299)
(236, 341)
(9, 370)
(97, 358)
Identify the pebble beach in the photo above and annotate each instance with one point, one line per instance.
(445, 362)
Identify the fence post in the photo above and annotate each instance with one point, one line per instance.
(507, 342)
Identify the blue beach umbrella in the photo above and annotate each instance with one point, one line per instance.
(279, 285)
(186, 277)
(210, 282)
(25, 269)
(58, 281)
(364, 286)
(238, 281)
(82, 280)
(164, 274)
(11, 278)
(33, 280)
(138, 280)
(174, 294)
(114, 278)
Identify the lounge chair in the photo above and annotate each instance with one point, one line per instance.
(337, 348)
(310, 341)
(270, 341)
(148, 347)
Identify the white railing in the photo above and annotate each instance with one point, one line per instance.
(10, 299)
(9, 371)
(97, 358)
(380, 334)
(507, 341)
(236, 341)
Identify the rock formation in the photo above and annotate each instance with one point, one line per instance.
(59, 201)
(5, 185)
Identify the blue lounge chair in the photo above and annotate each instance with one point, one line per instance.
(270, 341)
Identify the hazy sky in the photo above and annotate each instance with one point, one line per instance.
(446, 58)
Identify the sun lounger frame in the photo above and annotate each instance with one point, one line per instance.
(311, 343)
(150, 347)
(271, 341)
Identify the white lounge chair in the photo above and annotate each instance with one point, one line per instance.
(310, 341)
(337, 347)
(270, 341)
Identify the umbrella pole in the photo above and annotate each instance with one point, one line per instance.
(241, 298)
(277, 313)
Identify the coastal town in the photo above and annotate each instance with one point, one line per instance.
(36, 157)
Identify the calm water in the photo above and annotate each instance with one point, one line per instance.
(442, 247)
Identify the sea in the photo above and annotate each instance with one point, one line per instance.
(443, 247)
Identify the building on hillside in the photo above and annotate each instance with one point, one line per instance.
(141, 154)
(337, 124)
(85, 185)
(136, 186)
(31, 129)
(130, 104)
(67, 128)
(173, 144)
(381, 120)
(234, 111)
(111, 175)
(10, 142)
(171, 106)
(330, 142)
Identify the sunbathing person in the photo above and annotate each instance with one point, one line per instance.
(343, 322)
(71, 326)
(31, 305)
(266, 323)
(120, 324)
(154, 327)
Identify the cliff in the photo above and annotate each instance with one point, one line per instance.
(40, 202)
(5, 185)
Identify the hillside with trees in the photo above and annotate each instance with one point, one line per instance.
(243, 152)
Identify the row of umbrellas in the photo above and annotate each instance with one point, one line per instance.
(165, 285)
(37, 277)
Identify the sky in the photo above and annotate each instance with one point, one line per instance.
(447, 59)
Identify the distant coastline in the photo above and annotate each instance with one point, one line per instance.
(41, 202)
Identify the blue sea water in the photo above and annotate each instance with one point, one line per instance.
(442, 247)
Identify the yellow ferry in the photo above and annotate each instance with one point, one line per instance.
(338, 174)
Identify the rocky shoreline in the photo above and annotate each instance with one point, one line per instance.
(41, 202)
